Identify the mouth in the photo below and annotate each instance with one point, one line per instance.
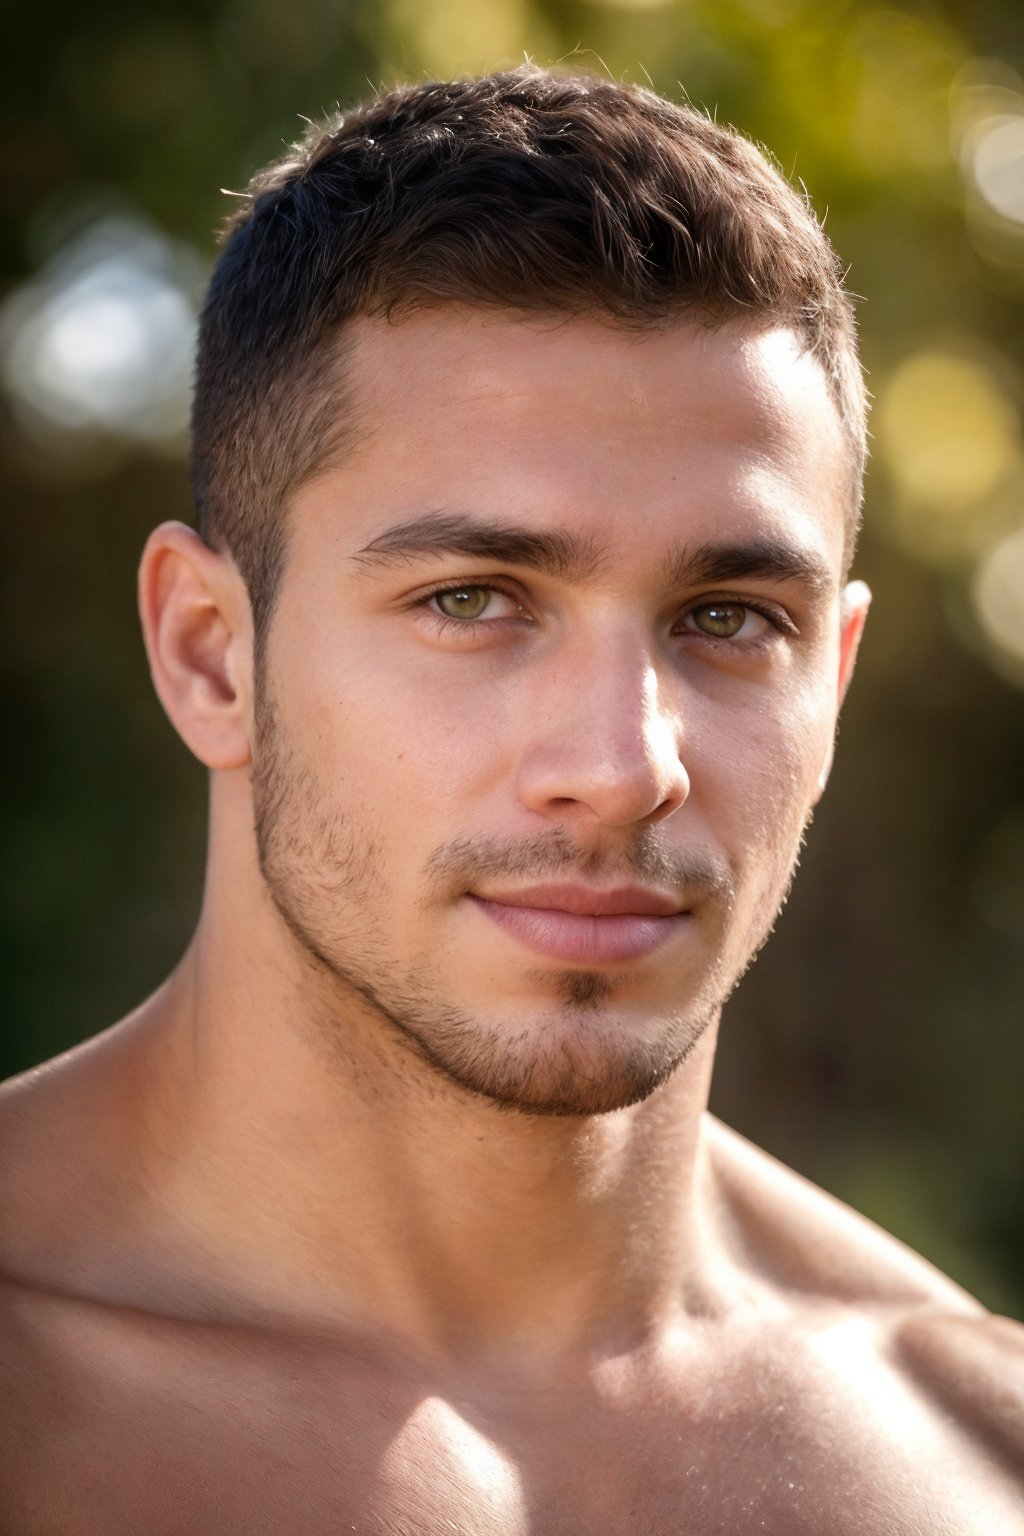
(582, 926)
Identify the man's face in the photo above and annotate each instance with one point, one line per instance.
(550, 688)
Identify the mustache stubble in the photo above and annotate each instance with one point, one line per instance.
(691, 873)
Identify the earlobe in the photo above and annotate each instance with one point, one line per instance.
(855, 602)
(197, 627)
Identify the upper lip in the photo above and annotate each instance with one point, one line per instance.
(585, 901)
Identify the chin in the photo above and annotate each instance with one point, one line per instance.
(578, 1060)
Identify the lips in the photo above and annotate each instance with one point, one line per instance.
(581, 926)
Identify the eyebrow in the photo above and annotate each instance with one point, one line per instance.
(765, 559)
(554, 552)
(572, 557)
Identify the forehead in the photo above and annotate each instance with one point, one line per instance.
(585, 424)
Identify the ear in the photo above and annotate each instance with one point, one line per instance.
(853, 613)
(198, 631)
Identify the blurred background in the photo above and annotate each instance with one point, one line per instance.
(877, 1045)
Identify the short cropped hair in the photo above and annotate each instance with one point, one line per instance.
(527, 191)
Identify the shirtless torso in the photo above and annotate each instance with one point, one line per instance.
(832, 1383)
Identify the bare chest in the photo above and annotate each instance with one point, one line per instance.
(197, 1431)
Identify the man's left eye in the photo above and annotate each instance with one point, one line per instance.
(727, 621)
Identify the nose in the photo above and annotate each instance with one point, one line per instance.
(605, 742)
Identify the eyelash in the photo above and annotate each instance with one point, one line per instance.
(779, 621)
(446, 624)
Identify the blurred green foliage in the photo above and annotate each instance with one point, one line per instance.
(877, 1045)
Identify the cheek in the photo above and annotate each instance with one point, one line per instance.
(757, 770)
(402, 760)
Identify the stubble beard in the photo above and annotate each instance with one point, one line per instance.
(577, 1056)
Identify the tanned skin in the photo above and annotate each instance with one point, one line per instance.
(398, 1209)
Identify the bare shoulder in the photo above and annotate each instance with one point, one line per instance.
(972, 1368)
(919, 1327)
(37, 1136)
(66, 1164)
(804, 1238)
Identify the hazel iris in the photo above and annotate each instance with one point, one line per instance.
(722, 620)
(463, 602)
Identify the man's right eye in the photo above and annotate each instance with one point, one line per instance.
(463, 602)
(472, 601)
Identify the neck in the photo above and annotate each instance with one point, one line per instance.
(341, 1177)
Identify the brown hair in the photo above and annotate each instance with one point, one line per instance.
(528, 191)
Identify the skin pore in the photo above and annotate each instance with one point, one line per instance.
(397, 1207)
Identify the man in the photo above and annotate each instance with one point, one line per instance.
(528, 436)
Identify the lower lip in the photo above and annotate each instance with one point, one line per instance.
(583, 940)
